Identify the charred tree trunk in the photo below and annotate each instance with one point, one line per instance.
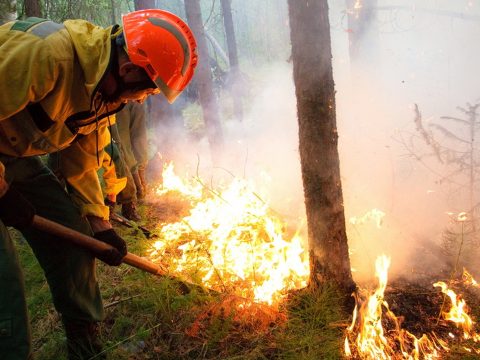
(235, 81)
(8, 10)
(361, 16)
(313, 77)
(33, 8)
(203, 78)
(144, 4)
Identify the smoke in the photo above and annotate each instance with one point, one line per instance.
(262, 148)
(421, 57)
(425, 54)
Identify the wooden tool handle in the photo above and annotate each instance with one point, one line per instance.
(92, 244)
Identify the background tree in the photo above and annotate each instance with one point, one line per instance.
(33, 8)
(361, 17)
(203, 79)
(233, 59)
(144, 4)
(452, 145)
(8, 10)
(312, 73)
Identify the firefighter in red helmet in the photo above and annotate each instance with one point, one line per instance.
(62, 83)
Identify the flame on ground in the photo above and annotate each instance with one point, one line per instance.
(469, 280)
(231, 241)
(366, 338)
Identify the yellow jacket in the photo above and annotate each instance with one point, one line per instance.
(49, 99)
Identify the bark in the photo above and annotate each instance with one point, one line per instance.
(235, 81)
(112, 14)
(312, 73)
(144, 4)
(33, 8)
(203, 79)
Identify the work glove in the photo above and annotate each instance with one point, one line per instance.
(15, 210)
(112, 257)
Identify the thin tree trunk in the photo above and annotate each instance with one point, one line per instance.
(312, 73)
(144, 4)
(203, 77)
(114, 18)
(33, 8)
(235, 81)
(472, 112)
(362, 44)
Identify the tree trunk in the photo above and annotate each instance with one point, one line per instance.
(203, 78)
(362, 41)
(313, 77)
(112, 13)
(8, 11)
(144, 4)
(235, 81)
(33, 8)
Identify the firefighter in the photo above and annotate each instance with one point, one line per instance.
(132, 137)
(114, 173)
(60, 84)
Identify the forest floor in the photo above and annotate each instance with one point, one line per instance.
(150, 317)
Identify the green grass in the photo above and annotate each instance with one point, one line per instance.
(149, 317)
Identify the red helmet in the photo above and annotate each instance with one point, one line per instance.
(162, 44)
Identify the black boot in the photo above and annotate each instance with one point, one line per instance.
(138, 185)
(129, 210)
(82, 340)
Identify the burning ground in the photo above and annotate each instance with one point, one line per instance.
(223, 317)
(418, 320)
(231, 242)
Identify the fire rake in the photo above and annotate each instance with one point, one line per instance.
(94, 245)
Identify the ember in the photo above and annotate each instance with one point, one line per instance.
(230, 242)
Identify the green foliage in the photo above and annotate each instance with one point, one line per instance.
(310, 332)
(99, 12)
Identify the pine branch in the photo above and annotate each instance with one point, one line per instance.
(448, 133)
(462, 121)
(427, 137)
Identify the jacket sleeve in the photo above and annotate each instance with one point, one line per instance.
(78, 164)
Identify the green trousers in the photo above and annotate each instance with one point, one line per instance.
(129, 193)
(69, 270)
(131, 134)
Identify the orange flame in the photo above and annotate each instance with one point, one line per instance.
(457, 313)
(371, 341)
(231, 242)
(469, 280)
